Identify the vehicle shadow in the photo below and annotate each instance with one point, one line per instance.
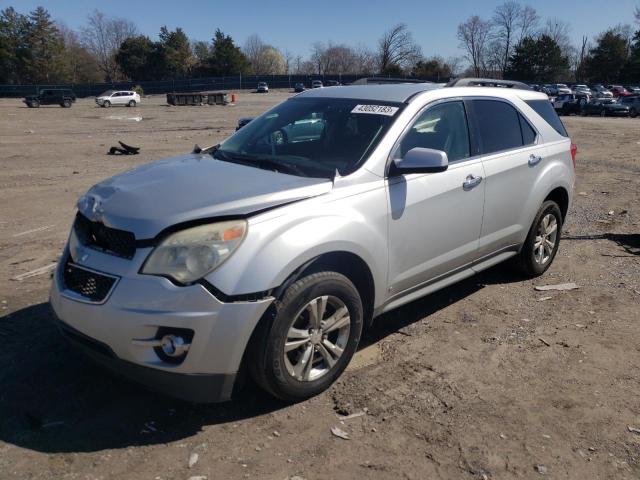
(630, 242)
(53, 399)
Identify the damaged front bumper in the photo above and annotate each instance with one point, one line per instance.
(121, 331)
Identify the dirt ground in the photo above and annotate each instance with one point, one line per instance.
(486, 379)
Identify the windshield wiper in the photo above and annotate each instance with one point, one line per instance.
(260, 162)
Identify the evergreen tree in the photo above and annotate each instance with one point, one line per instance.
(226, 58)
(537, 60)
(607, 59)
(136, 58)
(13, 46)
(45, 62)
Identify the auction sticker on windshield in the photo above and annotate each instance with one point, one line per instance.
(375, 109)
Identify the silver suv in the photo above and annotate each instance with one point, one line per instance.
(269, 254)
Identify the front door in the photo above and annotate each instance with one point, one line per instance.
(436, 218)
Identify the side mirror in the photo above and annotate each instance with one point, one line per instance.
(420, 160)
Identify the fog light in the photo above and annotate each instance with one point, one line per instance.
(173, 345)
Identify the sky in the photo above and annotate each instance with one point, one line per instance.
(296, 25)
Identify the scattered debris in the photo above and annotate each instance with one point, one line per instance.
(560, 286)
(544, 299)
(340, 433)
(611, 212)
(124, 149)
(34, 230)
(541, 469)
(349, 417)
(34, 273)
(193, 459)
(137, 118)
(544, 341)
(633, 429)
(582, 194)
(198, 477)
(276, 433)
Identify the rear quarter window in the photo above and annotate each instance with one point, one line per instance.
(498, 125)
(547, 112)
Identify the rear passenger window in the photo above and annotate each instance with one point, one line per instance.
(528, 133)
(498, 125)
(441, 127)
(546, 111)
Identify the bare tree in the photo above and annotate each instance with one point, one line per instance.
(455, 65)
(102, 36)
(559, 30)
(252, 49)
(396, 47)
(506, 18)
(473, 35)
(528, 23)
(636, 14)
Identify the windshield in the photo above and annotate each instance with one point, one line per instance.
(312, 137)
(108, 93)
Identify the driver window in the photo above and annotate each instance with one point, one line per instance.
(441, 127)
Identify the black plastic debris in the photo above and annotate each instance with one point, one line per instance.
(123, 149)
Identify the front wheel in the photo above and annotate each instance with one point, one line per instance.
(633, 113)
(106, 104)
(66, 104)
(311, 339)
(542, 242)
(132, 103)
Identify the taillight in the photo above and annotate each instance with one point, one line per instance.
(574, 150)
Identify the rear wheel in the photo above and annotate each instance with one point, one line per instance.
(132, 103)
(66, 104)
(542, 242)
(633, 113)
(310, 340)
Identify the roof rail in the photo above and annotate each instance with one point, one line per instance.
(386, 80)
(487, 82)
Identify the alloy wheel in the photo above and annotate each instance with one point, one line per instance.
(317, 338)
(546, 238)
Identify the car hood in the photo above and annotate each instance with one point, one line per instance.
(152, 197)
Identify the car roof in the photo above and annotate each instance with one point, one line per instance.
(400, 92)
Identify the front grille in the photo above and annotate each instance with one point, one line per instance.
(100, 237)
(89, 284)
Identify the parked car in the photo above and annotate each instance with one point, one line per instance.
(583, 89)
(51, 96)
(333, 83)
(127, 98)
(242, 122)
(316, 84)
(606, 107)
(262, 87)
(274, 249)
(601, 92)
(298, 87)
(633, 102)
(633, 89)
(619, 91)
(571, 103)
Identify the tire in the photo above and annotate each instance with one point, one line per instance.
(603, 113)
(283, 373)
(529, 260)
(583, 112)
(66, 104)
(34, 104)
(106, 104)
(633, 113)
(132, 103)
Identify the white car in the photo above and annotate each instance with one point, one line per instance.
(316, 84)
(262, 87)
(118, 97)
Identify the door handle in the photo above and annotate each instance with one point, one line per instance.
(471, 182)
(534, 159)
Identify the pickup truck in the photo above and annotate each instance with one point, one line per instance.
(63, 97)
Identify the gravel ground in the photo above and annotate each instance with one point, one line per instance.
(485, 379)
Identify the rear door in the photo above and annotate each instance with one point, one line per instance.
(435, 218)
(513, 156)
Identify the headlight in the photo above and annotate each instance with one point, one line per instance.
(189, 255)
